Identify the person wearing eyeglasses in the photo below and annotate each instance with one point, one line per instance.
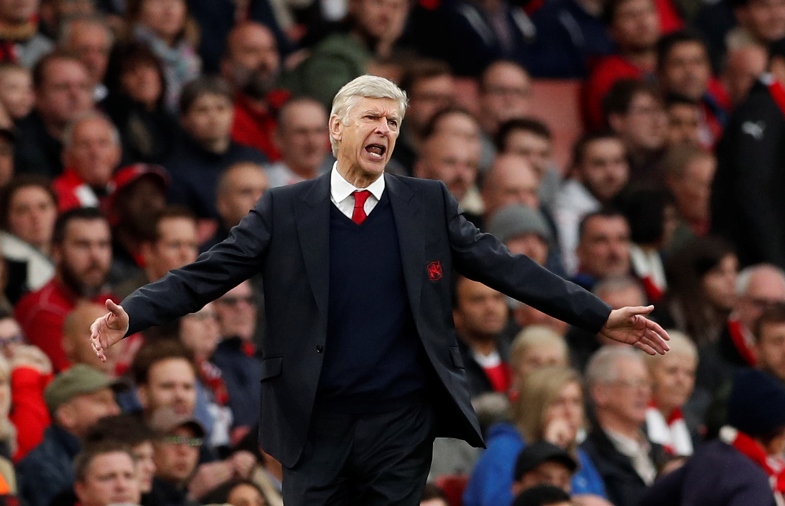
(176, 455)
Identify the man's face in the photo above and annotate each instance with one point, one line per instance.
(91, 43)
(83, 411)
(673, 379)
(505, 94)
(770, 349)
(254, 62)
(380, 19)
(532, 245)
(764, 19)
(237, 312)
(684, 124)
(140, 202)
(604, 248)
(244, 185)
(18, 11)
(512, 181)
(17, 92)
(31, 215)
(110, 479)
(636, 25)
(742, 68)
(536, 149)
(452, 160)
(200, 333)
(693, 191)
(177, 245)
(165, 17)
(209, 119)
(367, 139)
(427, 97)
(458, 124)
(765, 288)
(303, 136)
(686, 70)
(84, 257)
(604, 169)
(551, 473)
(170, 382)
(176, 461)
(540, 356)
(94, 151)
(645, 125)
(481, 312)
(65, 93)
(145, 465)
(627, 397)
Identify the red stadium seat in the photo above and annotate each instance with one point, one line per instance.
(556, 102)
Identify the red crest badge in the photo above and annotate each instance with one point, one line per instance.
(435, 271)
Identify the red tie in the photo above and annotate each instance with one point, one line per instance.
(358, 215)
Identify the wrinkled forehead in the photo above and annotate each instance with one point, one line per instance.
(382, 106)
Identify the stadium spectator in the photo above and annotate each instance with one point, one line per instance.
(302, 140)
(76, 339)
(16, 90)
(523, 230)
(454, 121)
(603, 248)
(207, 147)
(743, 66)
(21, 41)
(543, 463)
(237, 493)
(176, 456)
(433, 496)
(91, 152)
(136, 88)
(28, 209)
(91, 39)
(164, 27)
(106, 473)
(62, 93)
(760, 22)
(76, 399)
(536, 347)
(81, 248)
(505, 94)
(251, 65)
(543, 495)
(600, 172)
(511, 179)
(684, 120)
(620, 388)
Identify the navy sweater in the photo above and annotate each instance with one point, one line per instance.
(373, 355)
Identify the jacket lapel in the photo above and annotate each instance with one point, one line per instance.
(410, 238)
(312, 215)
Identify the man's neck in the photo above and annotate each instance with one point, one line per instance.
(643, 58)
(356, 176)
(481, 344)
(218, 146)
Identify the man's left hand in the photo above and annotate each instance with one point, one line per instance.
(629, 325)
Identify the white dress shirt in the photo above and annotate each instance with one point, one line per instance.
(341, 193)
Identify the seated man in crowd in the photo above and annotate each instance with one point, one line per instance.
(76, 340)
(620, 389)
(76, 399)
(543, 463)
(510, 179)
(106, 473)
(603, 248)
(83, 254)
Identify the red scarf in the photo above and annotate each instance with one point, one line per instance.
(741, 340)
(777, 91)
(212, 377)
(672, 432)
(773, 466)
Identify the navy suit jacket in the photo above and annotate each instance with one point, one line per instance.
(285, 237)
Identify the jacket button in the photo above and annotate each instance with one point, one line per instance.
(319, 348)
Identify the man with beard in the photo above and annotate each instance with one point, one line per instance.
(250, 65)
(82, 251)
(603, 247)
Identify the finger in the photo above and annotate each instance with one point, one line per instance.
(641, 345)
(657, 342)
(639, 310)
(113, 307)
(659, 330)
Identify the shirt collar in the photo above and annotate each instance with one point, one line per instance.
(340, 188)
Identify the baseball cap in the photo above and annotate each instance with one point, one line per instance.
(756, 405)
(79, 379)
(165, 419)
(131, 173)
(539, 452)
(516, 220)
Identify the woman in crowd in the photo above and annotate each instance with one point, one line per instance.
(673, 381)
(701, 288)
(549, 407)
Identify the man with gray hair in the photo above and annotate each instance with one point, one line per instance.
(90, 39)
(620, 389)
(361, 366)
(91, 152)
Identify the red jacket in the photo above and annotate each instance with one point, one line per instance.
(29, 413)
(255, 127)
(73, 192)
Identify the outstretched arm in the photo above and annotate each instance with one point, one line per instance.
(109, 329)
(629, 325)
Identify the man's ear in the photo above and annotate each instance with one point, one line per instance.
(336, 128)
(141, 394)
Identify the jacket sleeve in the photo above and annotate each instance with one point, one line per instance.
(484, 258)
(215, 272)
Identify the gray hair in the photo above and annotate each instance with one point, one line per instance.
(603, 365)
(744, 277)
(680, 344)
(364, 87)
(618, 283)
(68, 134)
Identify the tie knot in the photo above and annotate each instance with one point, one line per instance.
(360, 197)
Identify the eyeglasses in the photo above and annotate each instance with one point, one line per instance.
(14, 339)
(645, 384)
(233, 301)
(193, 442)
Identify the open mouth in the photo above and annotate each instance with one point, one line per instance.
(376, 151)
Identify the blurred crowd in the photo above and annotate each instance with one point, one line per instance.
(635, 147)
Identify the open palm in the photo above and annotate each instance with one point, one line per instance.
(629, 325)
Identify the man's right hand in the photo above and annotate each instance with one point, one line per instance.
(108, 329)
